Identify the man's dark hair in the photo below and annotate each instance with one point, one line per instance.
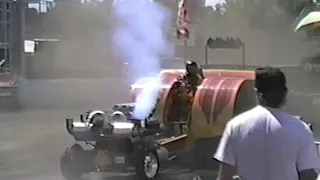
(270, 82)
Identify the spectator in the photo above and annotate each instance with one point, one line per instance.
(266, 143)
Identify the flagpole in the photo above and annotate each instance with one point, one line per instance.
(182, 26)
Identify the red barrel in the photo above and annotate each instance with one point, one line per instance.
(218, 100)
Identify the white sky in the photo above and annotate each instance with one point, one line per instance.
(208, 3)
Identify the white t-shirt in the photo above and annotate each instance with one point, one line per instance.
(268, 144)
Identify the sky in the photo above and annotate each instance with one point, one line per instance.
(44, 8)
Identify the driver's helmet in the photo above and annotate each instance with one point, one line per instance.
(191, 67)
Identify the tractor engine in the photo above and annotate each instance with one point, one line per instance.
(97, 125)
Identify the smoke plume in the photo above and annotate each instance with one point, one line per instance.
(139, 37)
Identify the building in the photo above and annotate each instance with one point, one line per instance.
(11, 35)
(6, 36)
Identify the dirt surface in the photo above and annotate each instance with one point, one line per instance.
(33, 140)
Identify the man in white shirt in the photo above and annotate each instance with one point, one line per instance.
(265, 143)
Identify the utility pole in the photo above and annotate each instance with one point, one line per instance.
(18, 30)
(23, 6)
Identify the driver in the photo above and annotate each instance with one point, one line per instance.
(189, 82)
(194, 75)
(184, 89)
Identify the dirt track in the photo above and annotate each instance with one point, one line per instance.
(33, 140)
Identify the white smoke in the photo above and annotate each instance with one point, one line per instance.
(139, 37)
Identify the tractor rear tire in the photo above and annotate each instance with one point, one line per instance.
(70, 163)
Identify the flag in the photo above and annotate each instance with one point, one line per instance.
(183, 20)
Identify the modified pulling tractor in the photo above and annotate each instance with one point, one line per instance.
(116, 142)
(192, 110)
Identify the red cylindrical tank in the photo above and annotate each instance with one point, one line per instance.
(223, 94)
(228, 73)
(218, 100)
(168, 74)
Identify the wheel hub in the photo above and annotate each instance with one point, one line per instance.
(150, 165)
